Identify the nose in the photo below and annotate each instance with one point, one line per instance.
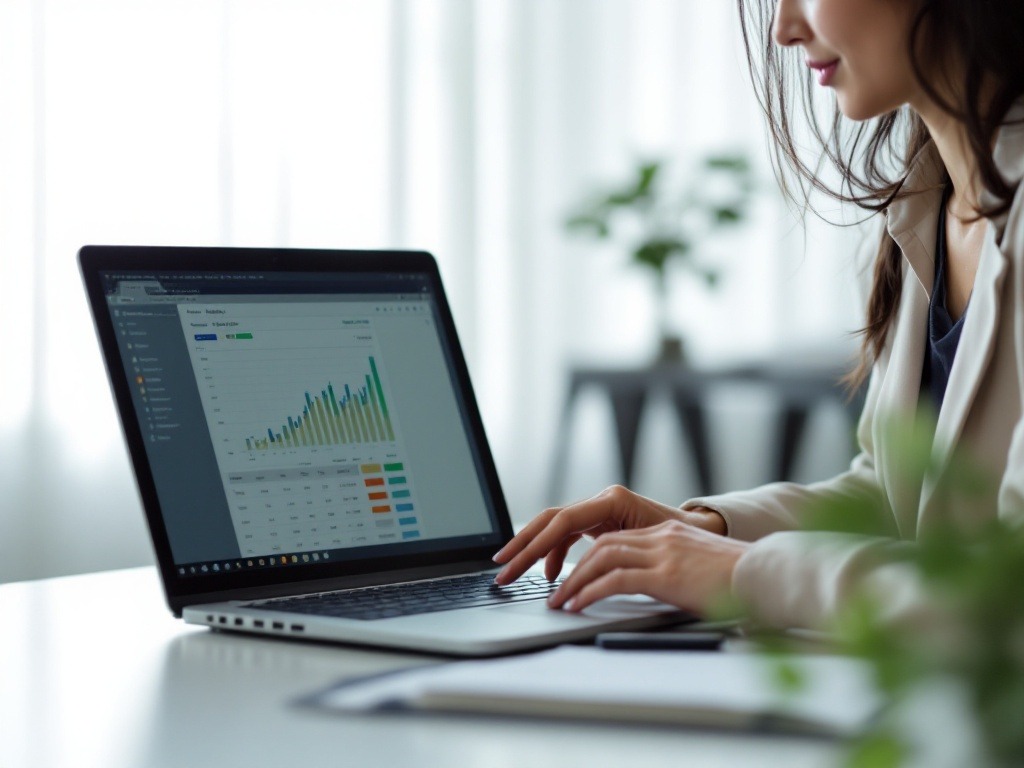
(789, 26)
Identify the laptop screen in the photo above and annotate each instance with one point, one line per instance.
(297, 419)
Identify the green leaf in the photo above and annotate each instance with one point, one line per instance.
(734, 163)
(655, 253)
(621, 199)
(589, 223)
(789, 678)
(647, 173)
(880, 749)
(864, 515)
(711, 277)
(728, 215)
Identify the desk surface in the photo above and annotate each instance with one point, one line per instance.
(95, 671)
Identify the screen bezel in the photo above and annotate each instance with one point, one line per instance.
(195, 589)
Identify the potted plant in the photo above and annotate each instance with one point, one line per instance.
(953, 679)
(672, 224)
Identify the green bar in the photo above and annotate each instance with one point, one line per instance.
(321, 414)
(336, 412)
(248, 444)
(241, 336)
(313, 417)
(350, 419)
(368, 418)
(401, 494)
(329, 418)
(376, 410)
(353, 407)
(383, 402)
(394, 467)
(396, 480)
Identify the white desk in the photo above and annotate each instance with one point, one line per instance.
(94, 671)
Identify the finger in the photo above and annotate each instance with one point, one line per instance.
(576, 519)
(599, 561)
(621, 581)
(515, 545)
(556, 557)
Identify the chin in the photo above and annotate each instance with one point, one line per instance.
(860, 109)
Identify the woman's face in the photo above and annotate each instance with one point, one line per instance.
(857, 47)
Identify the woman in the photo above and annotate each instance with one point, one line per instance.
(942, 82)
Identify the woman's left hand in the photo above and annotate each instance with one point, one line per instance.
(673, 562)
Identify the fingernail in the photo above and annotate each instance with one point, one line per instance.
(498, 554)
(571, 605)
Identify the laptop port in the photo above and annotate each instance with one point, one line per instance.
(298, 628)
(238, 622)
(278, 625)
(258, 623)
(223, 619)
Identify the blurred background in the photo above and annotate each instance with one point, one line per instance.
(472, 129)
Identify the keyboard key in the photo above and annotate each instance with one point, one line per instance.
(372, 603)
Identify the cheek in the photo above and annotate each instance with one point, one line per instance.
(883, 77)
(876, 74)
(871, 35)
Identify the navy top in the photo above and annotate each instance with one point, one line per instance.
(943, 333)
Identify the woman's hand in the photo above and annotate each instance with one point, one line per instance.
(673, 562)
(612, 512)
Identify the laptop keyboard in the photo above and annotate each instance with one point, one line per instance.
(393, 600)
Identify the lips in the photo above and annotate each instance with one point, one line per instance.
(824, 69)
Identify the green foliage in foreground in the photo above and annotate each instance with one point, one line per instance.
(970, 566)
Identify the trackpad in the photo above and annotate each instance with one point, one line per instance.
(618, 607)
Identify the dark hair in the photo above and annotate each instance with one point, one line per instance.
(872, 157)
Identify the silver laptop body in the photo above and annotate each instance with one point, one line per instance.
(303, 431)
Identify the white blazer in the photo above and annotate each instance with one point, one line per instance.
(796, 579)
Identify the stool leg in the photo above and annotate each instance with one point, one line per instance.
(792, 422)
(559, 463)
(627, 407)
(694, 424)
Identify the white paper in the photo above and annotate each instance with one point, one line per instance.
(724, 688)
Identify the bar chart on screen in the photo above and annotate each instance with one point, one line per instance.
(306, 437)
(291, 385)
(353, 414)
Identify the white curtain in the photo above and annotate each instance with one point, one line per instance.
(465, 127)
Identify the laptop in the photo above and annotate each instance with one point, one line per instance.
(309, 452)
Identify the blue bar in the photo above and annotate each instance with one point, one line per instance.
(206, 337)
(403, 507)
(401, 494)
(410, 534)
(407, 521)
(271, 435)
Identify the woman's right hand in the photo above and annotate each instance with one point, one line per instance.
(554, 531)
